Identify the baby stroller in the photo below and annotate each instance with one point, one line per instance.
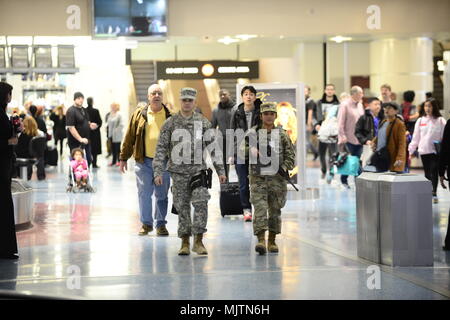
(79, 186)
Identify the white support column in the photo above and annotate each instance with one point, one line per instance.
(346, 70)
(405, 64)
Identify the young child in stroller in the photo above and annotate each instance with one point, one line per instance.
(79, 171)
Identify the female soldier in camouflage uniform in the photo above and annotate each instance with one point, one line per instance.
(268, 188)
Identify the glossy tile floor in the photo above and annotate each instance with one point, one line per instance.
(95, 236)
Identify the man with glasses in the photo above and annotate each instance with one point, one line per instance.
(188, 131)
(140, 141)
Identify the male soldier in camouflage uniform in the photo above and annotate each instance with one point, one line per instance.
(268, 187)
(188, 185)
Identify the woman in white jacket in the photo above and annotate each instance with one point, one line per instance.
(427, 137)
(115, 127)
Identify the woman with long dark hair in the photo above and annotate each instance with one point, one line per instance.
(428, 133)
(8, 240)
(58, 117)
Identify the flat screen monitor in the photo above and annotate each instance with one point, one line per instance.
(66, 57)
(130, 18)
(19, 56)
(43, 56)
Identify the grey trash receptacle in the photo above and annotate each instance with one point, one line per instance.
(406, 220)
(22, 195)
(368, 216)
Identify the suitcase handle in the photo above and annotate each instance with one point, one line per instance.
(227, 173)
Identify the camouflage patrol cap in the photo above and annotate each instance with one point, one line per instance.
(268, 106)
(188, 93)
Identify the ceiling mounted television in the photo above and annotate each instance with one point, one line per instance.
(130, 18)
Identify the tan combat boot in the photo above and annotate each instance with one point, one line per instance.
(198, 245)
(261, 245)
(184, 250)
(272, 246)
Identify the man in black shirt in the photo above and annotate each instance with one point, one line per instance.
(79, 127)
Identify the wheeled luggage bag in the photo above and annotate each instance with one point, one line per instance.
(230, 199)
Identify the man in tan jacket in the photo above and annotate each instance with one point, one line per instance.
(140, 141)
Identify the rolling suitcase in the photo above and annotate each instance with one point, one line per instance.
(230, 199)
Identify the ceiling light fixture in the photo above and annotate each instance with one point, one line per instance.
(227, 40)
(339, 39)
(246, 36)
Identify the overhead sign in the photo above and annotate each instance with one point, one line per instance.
(216, 69)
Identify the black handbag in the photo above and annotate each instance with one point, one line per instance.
(381, 159)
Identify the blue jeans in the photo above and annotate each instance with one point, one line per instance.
(146, 187)
(355, 150)
(244, 189)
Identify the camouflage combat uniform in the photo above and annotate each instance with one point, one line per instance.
(268, 192)
(181, 173)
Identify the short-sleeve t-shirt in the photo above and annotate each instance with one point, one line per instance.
(78, 118)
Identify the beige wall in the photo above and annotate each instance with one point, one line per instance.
(358, 63)
(153, 51)
(217, 17)
(306, 17)
(43, 17)
(248, 50)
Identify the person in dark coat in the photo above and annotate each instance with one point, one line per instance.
(59, 129)
(96, 141)
(8, 240)
(367, 125)
(245, 116)
(444, 168)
